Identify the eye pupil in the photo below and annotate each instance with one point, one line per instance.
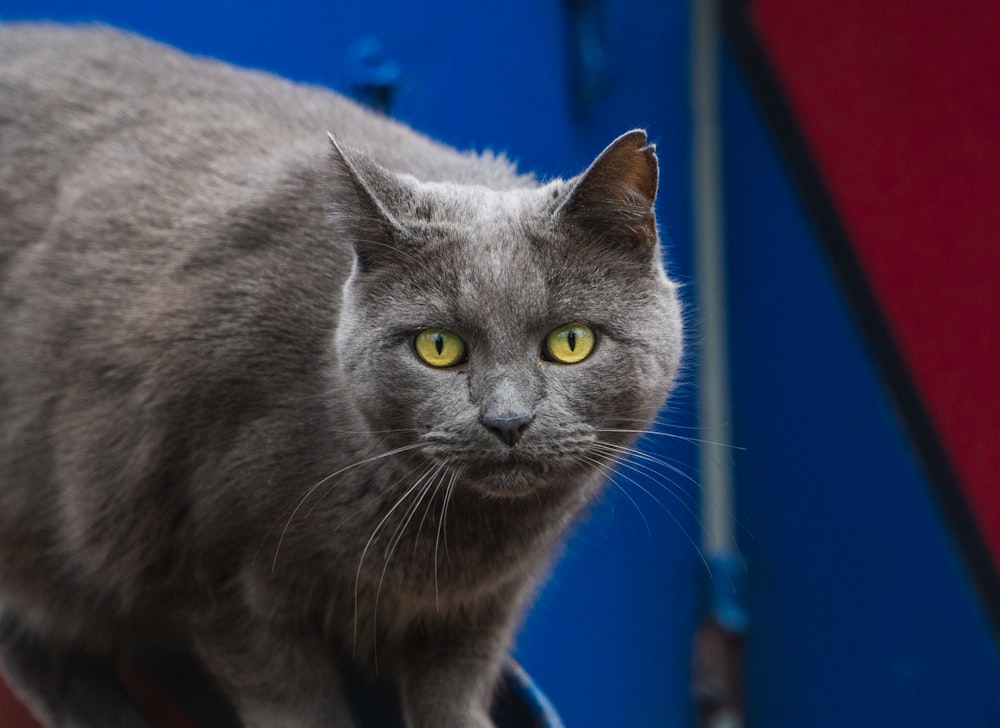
(569, 344)
(439, 348)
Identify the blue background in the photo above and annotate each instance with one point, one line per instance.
(861, 612)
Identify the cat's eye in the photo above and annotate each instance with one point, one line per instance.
(439, 348)
(569, 344)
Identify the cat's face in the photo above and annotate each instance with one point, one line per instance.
(509, 332)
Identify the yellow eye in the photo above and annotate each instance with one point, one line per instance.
(439, 348)
(570, 344)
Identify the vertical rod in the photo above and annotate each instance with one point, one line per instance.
(717, 674)
(713, 376)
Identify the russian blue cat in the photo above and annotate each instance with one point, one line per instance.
(290, 400)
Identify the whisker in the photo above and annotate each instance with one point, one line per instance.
(394, 452)
(312, 490)
(437, 539)
(630, 452)
(655, 433)
(609, 473)
(431, 476)
(443, 526)
(661, 420)
(371, 540)
(648, 471)
(427, 509)
(660, 477)
(669, 513)
(643, 488)
(649, 466)
(412, 508)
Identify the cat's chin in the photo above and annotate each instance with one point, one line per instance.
(512, 480)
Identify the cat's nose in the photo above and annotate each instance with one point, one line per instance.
(509, 428)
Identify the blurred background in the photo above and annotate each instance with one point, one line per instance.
(828, 195)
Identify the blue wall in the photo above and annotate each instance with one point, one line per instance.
(609, 639)
(862, 613)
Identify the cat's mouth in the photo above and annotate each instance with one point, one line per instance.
(520, 469)
(518, 476)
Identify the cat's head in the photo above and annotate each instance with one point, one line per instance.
(509, 332)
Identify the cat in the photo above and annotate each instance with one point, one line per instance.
(289, 384)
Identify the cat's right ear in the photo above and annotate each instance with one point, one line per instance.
(615, 196)
(378, 234)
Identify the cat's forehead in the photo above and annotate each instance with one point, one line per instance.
(488, 235)
(449, 203)
(499, 262)
(479, 261)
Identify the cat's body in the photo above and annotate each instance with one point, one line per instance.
(214, 428)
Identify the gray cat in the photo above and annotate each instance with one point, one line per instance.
(289, 403)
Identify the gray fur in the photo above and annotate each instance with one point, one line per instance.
(207, 315)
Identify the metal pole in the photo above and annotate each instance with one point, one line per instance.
(717, 673)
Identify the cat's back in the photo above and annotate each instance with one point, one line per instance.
(90, 107)
(94, 122)
(86, 81)
(79, 82)
(77, 85)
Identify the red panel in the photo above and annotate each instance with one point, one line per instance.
(12, 713)
(899, 102)
(156, 704)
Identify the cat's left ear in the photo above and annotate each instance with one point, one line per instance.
(378, 241)
(615, 196)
